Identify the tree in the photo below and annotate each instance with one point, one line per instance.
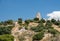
(20, 20)
(36, 19)
(53, 20)
(43, 20)
(27, 21)
(57, 23)
(10, 22)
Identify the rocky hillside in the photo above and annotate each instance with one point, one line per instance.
(30, 30)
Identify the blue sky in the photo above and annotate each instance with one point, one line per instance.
(25, 9)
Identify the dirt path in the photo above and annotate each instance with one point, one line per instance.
(14, 30)
(16, 27)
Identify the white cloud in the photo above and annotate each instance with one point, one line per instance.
(54, 15)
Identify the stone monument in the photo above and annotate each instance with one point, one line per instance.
(38, 15)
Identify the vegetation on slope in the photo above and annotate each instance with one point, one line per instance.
(42, 27)
(5, 30)
(6, 37)
(38, 36)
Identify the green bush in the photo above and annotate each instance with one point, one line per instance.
(52, 31)
(6, 38)
(28, 21)
(48, 23)
(57, 23)
(1, 23)
(8, 22)
(5, 30)
(49, 27)
(38, 36)
(37, 29)
(41, 24)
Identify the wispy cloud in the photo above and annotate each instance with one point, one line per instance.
(54, 15)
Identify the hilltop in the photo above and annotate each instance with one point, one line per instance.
(36, 29)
